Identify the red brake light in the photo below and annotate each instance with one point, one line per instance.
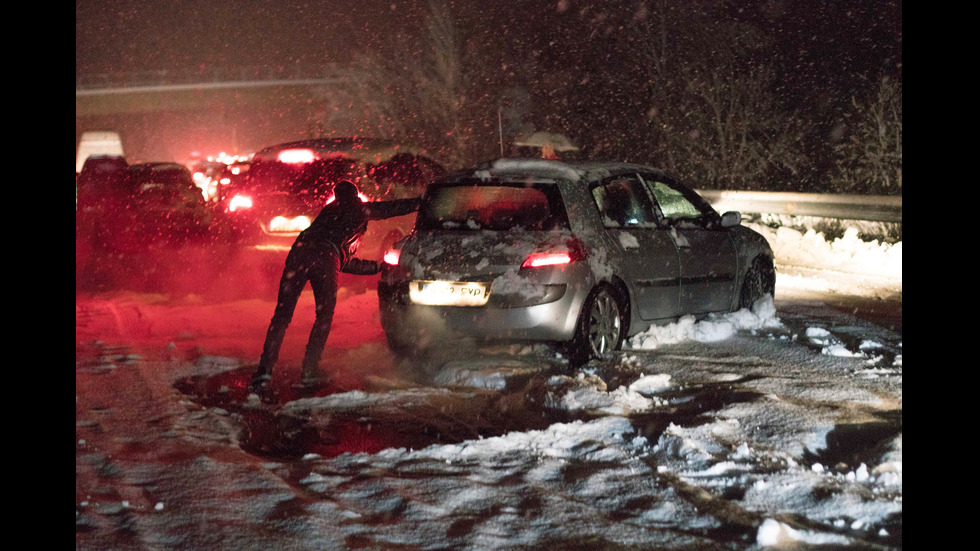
(296, 156)
(537, 260)
(361, 196)
(391, 257)
(575, 251)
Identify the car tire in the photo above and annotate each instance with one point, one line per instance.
(601, 328)
(759, 281)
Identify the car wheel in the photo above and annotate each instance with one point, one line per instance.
(600, 328)
(759, 282)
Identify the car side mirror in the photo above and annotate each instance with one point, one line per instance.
(731, 218)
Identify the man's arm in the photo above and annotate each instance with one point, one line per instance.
(379, 210)
(359, 266)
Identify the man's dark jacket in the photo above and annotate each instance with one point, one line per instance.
(340, 225)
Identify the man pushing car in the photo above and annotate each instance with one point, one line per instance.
(318, 255)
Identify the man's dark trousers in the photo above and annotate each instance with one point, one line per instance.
(319, 266)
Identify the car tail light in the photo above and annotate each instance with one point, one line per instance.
(575, 251)
(361, 196)
(239, 202)
(296, 156)
(281, 224)
(391, 257)
(537, 260)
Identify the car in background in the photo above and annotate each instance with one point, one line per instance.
(232, 174)
(584, 254)
(101, 190)
(206, 175)
(101, 175)
(98, 143)
(214, 176)
(287, 184)
(166, 205)
(130, 208)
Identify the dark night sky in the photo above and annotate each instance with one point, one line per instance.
(824, 51)
(817, 39)
(819, 44)
(135, 35)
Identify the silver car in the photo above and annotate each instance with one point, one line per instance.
(584, 254)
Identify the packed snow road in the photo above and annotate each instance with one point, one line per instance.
(780, 425)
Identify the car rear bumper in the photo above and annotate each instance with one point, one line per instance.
(420, 325)
(271, 242)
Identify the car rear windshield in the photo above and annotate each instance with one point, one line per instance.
(319, 176)
(497, 206)
(146, 179)
(316, 177)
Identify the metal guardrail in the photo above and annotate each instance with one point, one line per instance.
(207, 77)
(870, 208)
(204, 86)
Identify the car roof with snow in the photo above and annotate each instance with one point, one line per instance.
(368, 150)
(515, 169)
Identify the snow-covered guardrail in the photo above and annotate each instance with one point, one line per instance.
(871, 208)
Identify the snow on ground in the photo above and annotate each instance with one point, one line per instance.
(628, 469)
(875, 267)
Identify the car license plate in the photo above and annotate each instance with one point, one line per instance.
(449, 293)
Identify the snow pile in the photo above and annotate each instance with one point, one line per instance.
(560, 441)
(848, 253)
(648, 384)
(713, 329)
(830, 344)
(586, 393)
(774, 533)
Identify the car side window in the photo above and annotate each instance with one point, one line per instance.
(674, 206)
(623, 202)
